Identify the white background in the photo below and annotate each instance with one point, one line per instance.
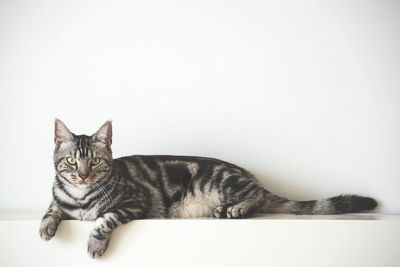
(305, 94)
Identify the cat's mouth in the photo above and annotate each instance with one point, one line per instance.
(86, 182)
(83, 182)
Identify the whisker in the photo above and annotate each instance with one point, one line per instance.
(105, 194)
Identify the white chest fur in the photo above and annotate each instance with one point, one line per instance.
(77, 197)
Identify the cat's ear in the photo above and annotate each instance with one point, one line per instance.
(104, 134)
(61, 133)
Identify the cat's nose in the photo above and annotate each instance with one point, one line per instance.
(83, 177)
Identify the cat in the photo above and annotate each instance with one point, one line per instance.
(91, 185)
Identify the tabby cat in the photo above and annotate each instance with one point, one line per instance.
(91, 185)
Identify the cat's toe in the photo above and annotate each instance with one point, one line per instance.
(45, 235)
(96, 247)
(220, 212)
(235, 212)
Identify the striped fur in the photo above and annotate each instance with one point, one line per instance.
(117, 191)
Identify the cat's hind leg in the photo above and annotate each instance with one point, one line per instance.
(239, 194)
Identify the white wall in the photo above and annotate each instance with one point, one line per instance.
(303, 94)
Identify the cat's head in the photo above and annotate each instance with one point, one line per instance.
(82, 160)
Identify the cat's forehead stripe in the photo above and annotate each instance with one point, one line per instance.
(83, 143)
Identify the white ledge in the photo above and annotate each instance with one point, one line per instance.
(273, 240)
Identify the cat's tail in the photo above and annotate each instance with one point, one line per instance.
(334, 205)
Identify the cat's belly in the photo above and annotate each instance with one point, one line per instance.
(194, 207)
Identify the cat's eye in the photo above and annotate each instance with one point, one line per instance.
(71, 160)
(95, 161)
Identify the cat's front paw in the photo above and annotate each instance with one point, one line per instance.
(97, 246)
(48, 228)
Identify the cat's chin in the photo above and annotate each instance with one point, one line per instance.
(83, 185)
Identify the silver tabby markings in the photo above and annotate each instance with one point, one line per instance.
(91, 185)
